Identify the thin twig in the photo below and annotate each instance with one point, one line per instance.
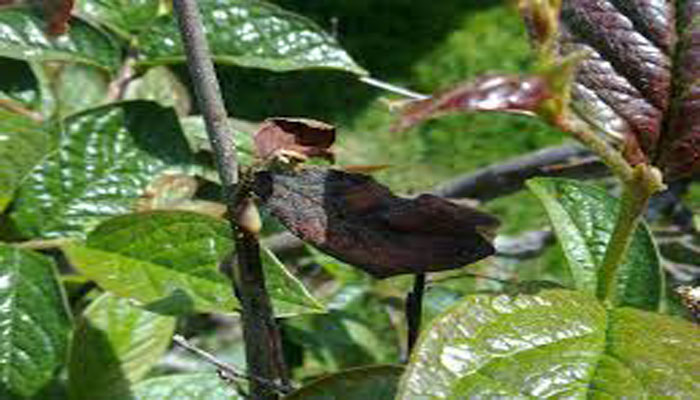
(508, 177)
(227, 368)
(261, 335)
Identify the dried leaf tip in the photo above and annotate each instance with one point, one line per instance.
(296, 138)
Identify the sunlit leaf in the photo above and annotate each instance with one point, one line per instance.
(250, 33)
(584, 217)
(34, 323)
(122, 16)
(553, 344)
(168, 262)
(105, 159)
(22, 36)
(504, 93)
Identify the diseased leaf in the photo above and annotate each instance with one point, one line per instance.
(34, 323)
(506, 93)
(200, 386)
(584, 218)
(168, 262)
(640, 80)
(361, 222)
(250, 33)
(554, 344)
(105, 159)
(377, 382)
(115, 344)
(296, 137)
(22, 37)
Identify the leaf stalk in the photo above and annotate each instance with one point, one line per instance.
(636, 191)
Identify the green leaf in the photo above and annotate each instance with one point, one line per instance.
(19, 84)
(168, 261)
(377, 382)
(185, 387)
(23, 144)
(105, 159)
(121, 16)
(34, 323)
(584, 217)
(79, 87)
(356, 331)
(250, 33)
(114, 345)
(555, 344)
(162, 86)
(22, 37)
(196, 133)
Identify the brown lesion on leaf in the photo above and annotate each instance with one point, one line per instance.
(294, 140)
(359, 221)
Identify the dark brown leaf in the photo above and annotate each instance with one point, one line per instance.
(303, 137)
(505, 93)
(642, 78)
(359, 221)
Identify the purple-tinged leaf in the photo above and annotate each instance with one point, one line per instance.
(641, 79)
(357, 220)
(505, 93)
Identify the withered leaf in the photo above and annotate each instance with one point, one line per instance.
(359, 221)
(303, 137)
(641, 79)
(505, 93)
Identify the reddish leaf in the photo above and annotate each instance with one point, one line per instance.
(506, 93)
(359, 221)
(302, 137)
(642, 78)
(57, 13)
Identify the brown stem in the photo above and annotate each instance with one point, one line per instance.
(262, 341)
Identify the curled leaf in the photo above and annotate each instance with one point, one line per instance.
(641, 78)
(298, 137)
(359, 221)
(506, 93)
